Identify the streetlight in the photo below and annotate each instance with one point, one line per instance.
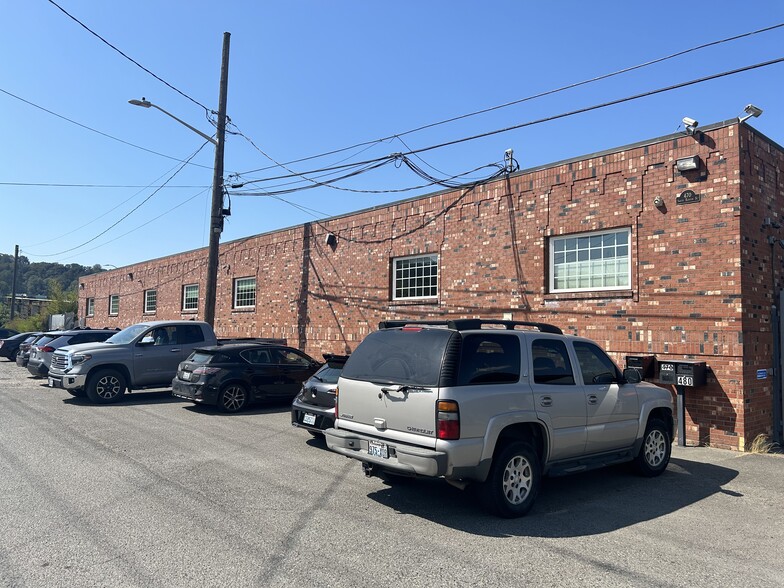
(144, 103)
(216, 213)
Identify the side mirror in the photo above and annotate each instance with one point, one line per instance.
(632, 375)
(146, 340)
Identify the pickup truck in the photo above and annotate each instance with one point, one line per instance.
(495, 407)
(145, 355)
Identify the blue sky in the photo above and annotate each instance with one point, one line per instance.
(310, 77)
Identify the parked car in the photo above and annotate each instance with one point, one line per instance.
(9, 346)
(497, 407)
(234, 375)
(5, 333)
(41, 353)
(24, 349)
(314, 407)
(142, 356)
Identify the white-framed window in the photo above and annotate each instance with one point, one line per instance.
(415, 277)
(150, 300)
(90, 307)
(244, 292)
(591, 261)
(114, 304)
(190, 297)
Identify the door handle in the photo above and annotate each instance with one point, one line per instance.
(546, 401)
(592, 399)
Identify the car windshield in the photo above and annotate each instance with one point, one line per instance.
(128, 334)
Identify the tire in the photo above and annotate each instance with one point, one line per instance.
(655, 452)
(233, 398)
(513, 482)
(106, 386)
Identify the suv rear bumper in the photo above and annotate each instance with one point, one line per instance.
(404, 459)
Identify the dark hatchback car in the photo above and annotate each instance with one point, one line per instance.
(10, 345)
(314, 407)
(235, 375)
(24, 348)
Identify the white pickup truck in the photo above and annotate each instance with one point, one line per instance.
(498, 407)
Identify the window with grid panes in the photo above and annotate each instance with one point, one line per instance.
(415, 277)
(244, 292)
(591, 261)
(190, 297)
(114, 304)
(150, 300)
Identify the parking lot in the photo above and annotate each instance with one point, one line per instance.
(157, 492)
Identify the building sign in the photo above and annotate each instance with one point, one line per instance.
(687, 197)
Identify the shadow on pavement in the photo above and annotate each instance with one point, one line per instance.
(572, 506)
(134, 398)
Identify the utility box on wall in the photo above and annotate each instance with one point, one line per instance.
(644, 364)
(683, 373)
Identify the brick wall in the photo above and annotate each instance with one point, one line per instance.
(701, 272)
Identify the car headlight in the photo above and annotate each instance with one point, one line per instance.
(78, 358)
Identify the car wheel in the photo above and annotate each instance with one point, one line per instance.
(513, 482)
(655, 452)
(106, 386)
(233, 398)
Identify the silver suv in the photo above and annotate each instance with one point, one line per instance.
(498, 407)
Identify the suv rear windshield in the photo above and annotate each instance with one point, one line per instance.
(400, 356)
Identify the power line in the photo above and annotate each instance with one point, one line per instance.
(534, 122)
(103, 186)
(136, 63)
(127, 215)
(521, 100)
(78, 124)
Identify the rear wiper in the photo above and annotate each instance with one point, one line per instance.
(406, 388)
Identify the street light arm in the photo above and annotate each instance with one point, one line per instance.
(147, 104)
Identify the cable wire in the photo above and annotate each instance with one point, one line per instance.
(127, 215)
(528, 98)
(136, 63)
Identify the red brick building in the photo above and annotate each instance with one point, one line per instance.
(619, 246)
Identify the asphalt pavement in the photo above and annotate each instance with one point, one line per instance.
(158, 492)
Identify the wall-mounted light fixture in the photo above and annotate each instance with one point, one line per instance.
(688, 163)
(658, 202)
(332, 240)
(81, 285)
(750, 111)
(130, 275)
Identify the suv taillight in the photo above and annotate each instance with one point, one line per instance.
(448, 420)
(337, 393)
(47, 349)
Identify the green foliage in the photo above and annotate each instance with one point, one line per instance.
(33, 278)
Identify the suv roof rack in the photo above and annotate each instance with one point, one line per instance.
(472, 324)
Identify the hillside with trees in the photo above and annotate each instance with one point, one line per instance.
(32, 279)
(55, 281)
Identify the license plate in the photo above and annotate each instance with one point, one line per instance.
(309, 419)
(377, 449)
(186, 376)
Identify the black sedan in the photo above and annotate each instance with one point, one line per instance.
(232, 376)
(314, 407)
(9, 346)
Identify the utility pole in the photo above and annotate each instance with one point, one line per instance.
(216, 215)
(13, 282)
